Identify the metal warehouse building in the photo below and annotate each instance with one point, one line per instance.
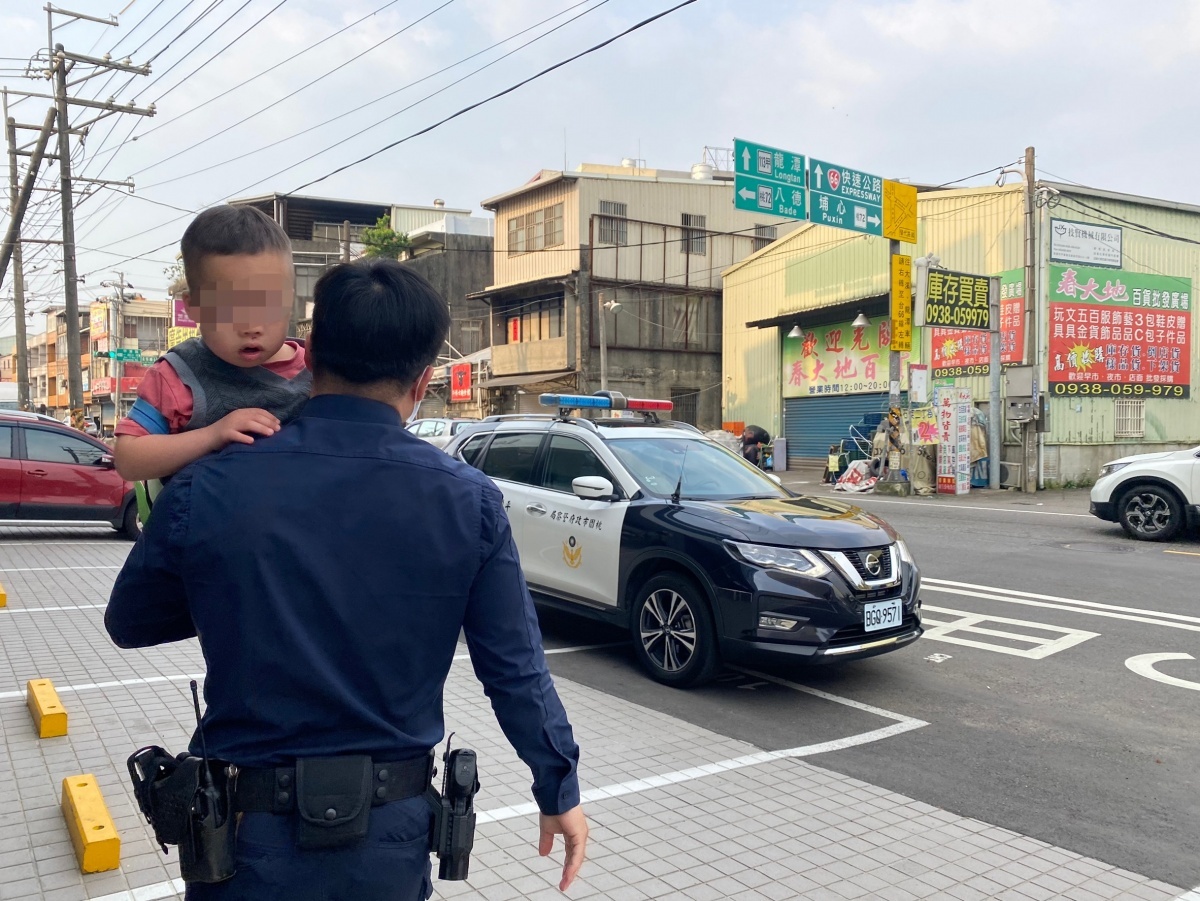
(1108, 323)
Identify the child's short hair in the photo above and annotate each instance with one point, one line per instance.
(229, 230)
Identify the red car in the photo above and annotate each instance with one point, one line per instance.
(52, 473)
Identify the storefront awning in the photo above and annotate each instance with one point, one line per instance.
(874, 306)
(527, 378)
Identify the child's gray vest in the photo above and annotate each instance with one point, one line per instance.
(218, 388)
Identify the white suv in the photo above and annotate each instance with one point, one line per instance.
(1152, 496)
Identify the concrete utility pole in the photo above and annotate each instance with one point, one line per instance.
(995, 412)
(63, 62)
(1029, 478)
(603, 344)
(14, 191)
(346, 241)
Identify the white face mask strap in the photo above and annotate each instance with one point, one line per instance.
(412, 417)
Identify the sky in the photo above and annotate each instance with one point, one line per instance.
(930, 91)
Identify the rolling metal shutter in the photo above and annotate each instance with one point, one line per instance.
(811, 424)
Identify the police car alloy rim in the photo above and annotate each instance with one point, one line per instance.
(668, 630)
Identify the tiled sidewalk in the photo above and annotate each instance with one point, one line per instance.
(783, 828)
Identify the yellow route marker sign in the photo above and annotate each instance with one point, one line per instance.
(899, 211)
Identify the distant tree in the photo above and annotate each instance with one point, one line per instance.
(176, 282)
(381, 241)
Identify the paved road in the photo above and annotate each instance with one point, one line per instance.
(1049, 733)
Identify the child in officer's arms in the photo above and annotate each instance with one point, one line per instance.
(241, 379)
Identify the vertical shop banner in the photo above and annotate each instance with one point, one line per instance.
(1119, 333)
(902, 302)
(960, 352)
(460, 383)
(838, 359)
(953, 409)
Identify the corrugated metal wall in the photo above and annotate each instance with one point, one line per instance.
(1076, 420)
(561, 259)
(978, 231)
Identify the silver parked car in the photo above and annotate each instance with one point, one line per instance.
(439, 431)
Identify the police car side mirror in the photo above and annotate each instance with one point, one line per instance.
(774, 478)
(593, 488)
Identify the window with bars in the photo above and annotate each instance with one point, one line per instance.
(695, 237)
(763, 235)
(685, 402)
(470, 336)
(614, 229)
(1130, 418)
(536, 230)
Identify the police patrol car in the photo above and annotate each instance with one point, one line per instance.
(651, 526)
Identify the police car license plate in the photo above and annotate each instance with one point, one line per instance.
(882, 615)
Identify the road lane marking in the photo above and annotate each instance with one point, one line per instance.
(1051, 602)
(972, 624)
(711, 769)
(56, 609)
(155, 892)
(92, 686)
(1143, 665)
(836, 699)
(1184, 553)
(941, 507)
(52, 569)
(187, 677)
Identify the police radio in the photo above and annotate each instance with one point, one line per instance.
(452, 834)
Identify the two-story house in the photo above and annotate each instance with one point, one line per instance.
(643, 248)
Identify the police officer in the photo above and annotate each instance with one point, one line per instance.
(328, 571)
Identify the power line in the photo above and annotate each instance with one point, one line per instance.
(269, 70)
(192, 145)
(181, 59)
(379, 122)
(499, 94)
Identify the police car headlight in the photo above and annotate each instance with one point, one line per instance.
(791, 559)
(1109, 468)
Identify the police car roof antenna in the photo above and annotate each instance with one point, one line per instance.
(679, 484)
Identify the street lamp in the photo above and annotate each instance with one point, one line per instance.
(605, 306)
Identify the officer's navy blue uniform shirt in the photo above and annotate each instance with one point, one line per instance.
(327, 572)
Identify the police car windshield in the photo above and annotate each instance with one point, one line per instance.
(710, 472)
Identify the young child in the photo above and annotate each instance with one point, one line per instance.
(241, 379)
(832, 463)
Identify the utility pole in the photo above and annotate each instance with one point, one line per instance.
(64, 62)
(1029, 474)
(346, 241)
(22, 373)
(603, 344)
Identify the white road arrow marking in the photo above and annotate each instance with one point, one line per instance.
(746, 158)
(818, 172)
(746, 194)
(1143, 665)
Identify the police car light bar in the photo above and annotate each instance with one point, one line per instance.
(611, 400)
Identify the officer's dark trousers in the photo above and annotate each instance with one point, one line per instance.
(391, 864)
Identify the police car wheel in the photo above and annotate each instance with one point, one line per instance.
(674, 637)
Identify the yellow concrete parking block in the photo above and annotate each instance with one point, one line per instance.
(3, 597)
(49, 715)
(93, 833)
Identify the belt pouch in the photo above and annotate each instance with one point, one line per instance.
(333, 797)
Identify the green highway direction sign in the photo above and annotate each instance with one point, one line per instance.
(133, 355)
(768, 180)
(845, 198)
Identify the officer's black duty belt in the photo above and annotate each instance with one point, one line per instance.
(273, 789)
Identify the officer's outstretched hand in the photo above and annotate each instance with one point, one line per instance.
(573, 827)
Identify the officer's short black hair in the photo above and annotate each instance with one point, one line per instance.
(376, 321)
(229, 230)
